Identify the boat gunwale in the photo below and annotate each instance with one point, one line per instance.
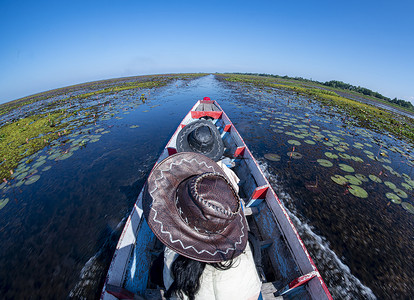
(117, 269)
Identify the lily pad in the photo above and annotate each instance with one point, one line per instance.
(353, 180)
(3, 202)
(310, 142)
(134, 126)
(407, 186)
(339, 179)
(393, 197)
(65, 156)
(358, 191)
(331, 155)
(368, 152)
(362, 177)
(294, 142)
(356, 158)
(400, 193)
(47, 168)
(272, 156)
(32, 179)
(346, 168)
(295, 155)
(344, 155)
(340, 149)
(374, 178)
(328, 144)
(409, 181)
(325, 163)
(408, 207)
(390, 184)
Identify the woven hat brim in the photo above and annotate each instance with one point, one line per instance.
(164, 220)
(182, 140)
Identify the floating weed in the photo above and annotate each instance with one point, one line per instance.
(272, 156)
(346, 168)
(3, 202)
(408, 207)
(339, 179)
(295, 155)
(32, 179)
(362, 177)
(294, 142)
(390, 185)
(375, 178)
(357, 191)
(401, 193)
(331, 155)
(353, 180)
(325, 163)
(393, 197)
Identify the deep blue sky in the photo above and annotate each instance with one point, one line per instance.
(51, 44)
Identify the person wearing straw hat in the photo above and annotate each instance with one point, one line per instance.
(194, 210)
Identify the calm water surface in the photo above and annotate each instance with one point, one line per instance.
(58, 234)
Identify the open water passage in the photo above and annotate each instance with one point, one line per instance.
(347, 189)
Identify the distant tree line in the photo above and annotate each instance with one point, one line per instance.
(344, 86)
(368, 92)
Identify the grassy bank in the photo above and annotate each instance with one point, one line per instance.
(99, 87)
(366, 115)
(25, 136)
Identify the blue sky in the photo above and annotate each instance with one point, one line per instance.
(51, 44)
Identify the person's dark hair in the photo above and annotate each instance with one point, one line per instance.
(187, 272)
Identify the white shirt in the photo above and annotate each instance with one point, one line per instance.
(239, 282)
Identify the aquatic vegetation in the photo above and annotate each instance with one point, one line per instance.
(295, 155)
(346, 168)
(408, 207)
(362, 177)
(357, 191)
(325, 163)
(3, 202)
(272, 156)
(353, 180)
(339, 179)
(26, 136)
(32, 179)
(390, 185)
(331, 155)
(394, 198)
(294, 142)
(375, 178)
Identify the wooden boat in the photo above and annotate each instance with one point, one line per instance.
(284, 264)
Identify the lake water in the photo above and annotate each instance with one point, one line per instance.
(64, 215)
